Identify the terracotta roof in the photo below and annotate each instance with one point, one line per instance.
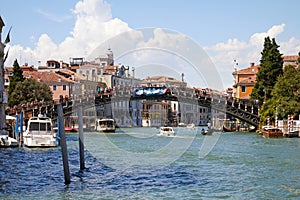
(46, 77)
(290, 58)
(249, 70)
(9, 69)
(109, 67)
(24, 68)
(70, 73)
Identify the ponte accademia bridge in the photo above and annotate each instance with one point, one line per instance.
(243, 110)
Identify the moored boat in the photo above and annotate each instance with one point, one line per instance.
(39, 133)
(292, 134)
(270, 131)
(226, 129)
(6, 141)
(67, 129)
(191, 126)
(166, 131)
(105, 125)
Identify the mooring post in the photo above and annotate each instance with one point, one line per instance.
(81, 139)
(63, 144)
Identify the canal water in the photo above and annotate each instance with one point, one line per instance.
(137, 164)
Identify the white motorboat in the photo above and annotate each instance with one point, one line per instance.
(39, 133)
(6, 141)
(105, 125)
(166, 131)
(191, 126)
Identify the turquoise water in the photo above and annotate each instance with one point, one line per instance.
(138, 164)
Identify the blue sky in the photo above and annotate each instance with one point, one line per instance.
(226, 30)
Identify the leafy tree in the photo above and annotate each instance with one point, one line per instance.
(285, 96)
(30, 90)
(14, 80)
(270, 69)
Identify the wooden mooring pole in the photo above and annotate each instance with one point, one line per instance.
(63, 143)
(81, 138)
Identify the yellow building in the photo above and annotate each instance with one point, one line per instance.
(244, 81)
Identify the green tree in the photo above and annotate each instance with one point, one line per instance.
(285, 96)
(30, 90)
(270, 69)
(287, 92)
(16, 78)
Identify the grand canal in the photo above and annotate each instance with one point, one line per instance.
(137, 164)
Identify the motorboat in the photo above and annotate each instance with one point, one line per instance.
(105, 125)
(40, 133)
(191, 126)
(181, 124)
(6, 141)
(271, 131)
(166, 131)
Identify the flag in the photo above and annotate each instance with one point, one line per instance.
(6, 55)
(7, 40)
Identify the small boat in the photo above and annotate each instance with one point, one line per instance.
(166, 131)
(181, 124)
(105, 125)
(6, 141)
(226, 129)
(40, 133)
(191, 126)
(67, 129)
(206, 132)
(270, 131)
(292, 134)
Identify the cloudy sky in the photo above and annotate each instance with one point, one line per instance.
(191, 30)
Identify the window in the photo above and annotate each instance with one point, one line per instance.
(54, 87)
(64, 87)
(243, 88)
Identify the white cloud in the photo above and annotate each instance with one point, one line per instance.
(246, 52)
(94, 25)
(273, 32)
(290, 47)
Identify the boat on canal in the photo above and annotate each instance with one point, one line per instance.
(6, 141)
(39, 133)
(191, 126)
(105, 125)
(166, 131)
(207, 132)
(67, 129)
(271, 131)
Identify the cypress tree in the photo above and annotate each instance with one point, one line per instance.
(270, 69)
(14, 80)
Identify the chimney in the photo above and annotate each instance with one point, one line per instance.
(252, 64)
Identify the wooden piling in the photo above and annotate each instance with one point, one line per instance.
(63, 144)
(81, 138)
